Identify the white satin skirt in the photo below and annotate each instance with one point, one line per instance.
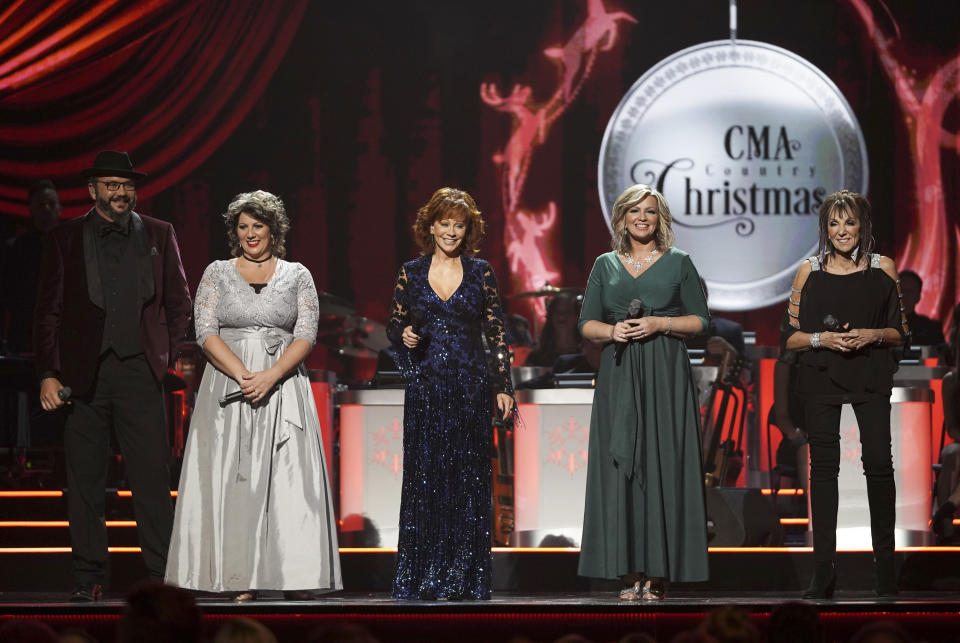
(254, 509)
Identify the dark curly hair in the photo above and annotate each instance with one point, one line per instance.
(447, 202)
(265, 208)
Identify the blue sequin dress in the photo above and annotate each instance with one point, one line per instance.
(445, 502)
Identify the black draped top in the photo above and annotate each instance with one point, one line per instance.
(864, 299)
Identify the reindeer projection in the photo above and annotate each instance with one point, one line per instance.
(527, 234)
(934, 241)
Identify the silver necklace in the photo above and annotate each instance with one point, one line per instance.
(637, 264)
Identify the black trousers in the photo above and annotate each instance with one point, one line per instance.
(127, 400)
(823, 432)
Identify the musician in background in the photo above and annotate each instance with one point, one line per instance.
(560, 335)
(923, 330)
(841, 325)
(518, 331)
(20, 266)
(644, 518)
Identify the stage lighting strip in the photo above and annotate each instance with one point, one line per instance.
(517, 550)
(132, 523)
(122, 493)
(60, 523)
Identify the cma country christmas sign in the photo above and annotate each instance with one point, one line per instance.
(745, 140)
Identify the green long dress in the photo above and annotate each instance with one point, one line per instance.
(645, 509)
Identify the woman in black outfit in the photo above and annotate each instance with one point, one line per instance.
(843, 320)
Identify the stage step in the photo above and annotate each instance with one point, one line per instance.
(731, 569)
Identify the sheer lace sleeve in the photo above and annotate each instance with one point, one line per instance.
(496, 337)
(205, 306)
(308, 307)
(400, 310)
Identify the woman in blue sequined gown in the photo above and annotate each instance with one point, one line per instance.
(444, 303)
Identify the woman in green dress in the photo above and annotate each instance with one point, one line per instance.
(645, 516)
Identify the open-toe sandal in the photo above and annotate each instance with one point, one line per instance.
(654, 591)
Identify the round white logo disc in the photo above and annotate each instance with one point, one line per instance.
(745, 140)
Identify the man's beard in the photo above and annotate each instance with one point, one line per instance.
(120, 217)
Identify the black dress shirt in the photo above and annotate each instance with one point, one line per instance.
(117, 261)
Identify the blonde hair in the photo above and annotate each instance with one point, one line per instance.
(629, 198)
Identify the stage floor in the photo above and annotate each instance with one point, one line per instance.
(382, 603)
(536, 617)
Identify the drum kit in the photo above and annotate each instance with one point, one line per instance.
(345, 332)
(549, 291)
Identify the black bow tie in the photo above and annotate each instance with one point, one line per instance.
(107, 229)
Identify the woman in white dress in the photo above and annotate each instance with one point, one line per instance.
(254, 510)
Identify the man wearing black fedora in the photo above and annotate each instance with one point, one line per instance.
(112, 305)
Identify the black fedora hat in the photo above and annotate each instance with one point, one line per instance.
(113, 163)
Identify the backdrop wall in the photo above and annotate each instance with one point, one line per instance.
(355, 112)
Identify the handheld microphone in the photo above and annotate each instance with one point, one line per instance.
(416, 320)
(418, 324)
(832, 323)
(634, 311)
(231, 397)
(64, 395)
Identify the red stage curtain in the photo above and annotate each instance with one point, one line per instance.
(165, 80)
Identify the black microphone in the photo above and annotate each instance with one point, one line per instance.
(417, 324)
(64, 394)
(634, 311)
(832, 323)
(416, 320)
(231, 397)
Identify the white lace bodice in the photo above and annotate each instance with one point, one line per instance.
(225, 300)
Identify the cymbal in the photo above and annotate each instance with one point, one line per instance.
(332, 305)
(354, 336)
(548, 291)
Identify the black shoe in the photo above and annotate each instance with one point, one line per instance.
(943, 520)
(86, 593)
(886, 576)
(823, 583)
(298, 595)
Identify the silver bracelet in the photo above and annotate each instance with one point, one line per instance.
(815, 340)
(669, 327)
(879, 341)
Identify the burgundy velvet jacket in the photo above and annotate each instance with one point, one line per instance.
(69, 314)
